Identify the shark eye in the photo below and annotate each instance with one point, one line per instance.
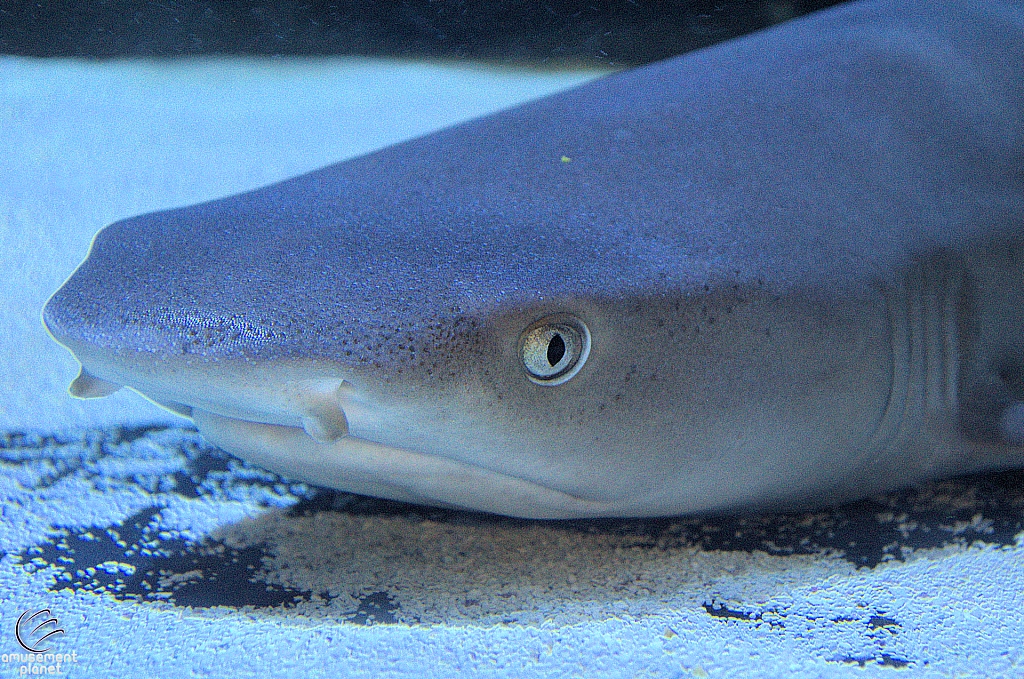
(554, 349)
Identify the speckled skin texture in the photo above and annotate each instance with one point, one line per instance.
(805, 240)
(813, 154)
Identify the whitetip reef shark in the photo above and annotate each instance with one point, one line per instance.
(787, 270)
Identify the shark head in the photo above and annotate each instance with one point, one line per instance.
(703, 284)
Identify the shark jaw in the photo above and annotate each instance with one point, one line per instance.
(366, 467)
(295, 420)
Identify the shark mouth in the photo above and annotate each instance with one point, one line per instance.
(366, 467)
(300, 429)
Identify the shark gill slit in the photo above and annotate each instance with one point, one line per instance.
(924, 320)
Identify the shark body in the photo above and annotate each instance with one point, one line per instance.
(785, 270)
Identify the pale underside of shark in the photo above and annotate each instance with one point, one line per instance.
(785, 270)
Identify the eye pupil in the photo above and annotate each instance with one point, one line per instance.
(556, 350)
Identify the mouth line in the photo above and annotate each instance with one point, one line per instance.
(294, 420)
(352, 464)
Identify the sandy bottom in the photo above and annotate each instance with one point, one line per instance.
(194, 559)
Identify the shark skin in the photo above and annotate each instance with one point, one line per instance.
(784, 271)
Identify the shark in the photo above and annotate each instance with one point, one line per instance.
(783, 271)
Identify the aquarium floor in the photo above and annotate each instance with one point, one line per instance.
(161, 555)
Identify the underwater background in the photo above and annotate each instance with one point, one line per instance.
(161, 556)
